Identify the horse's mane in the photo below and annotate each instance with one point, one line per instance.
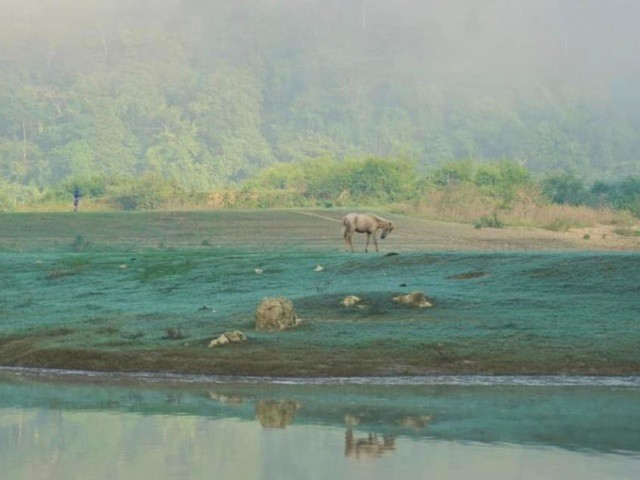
(379, 219)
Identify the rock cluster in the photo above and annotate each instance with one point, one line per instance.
(415, 299)
(228, 337)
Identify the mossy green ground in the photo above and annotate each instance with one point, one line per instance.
(101, 291)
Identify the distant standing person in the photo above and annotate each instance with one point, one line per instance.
(76, 199)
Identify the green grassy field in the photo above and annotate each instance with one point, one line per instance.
(101, 291)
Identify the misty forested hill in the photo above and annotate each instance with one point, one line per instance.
(206, 92)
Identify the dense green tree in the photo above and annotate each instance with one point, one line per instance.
(622, 194)
(453, 172)
(564, 188)
(228, 114)
(281, 176)
(381, 179)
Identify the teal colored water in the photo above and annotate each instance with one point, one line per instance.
(581, 303)
(53, 429)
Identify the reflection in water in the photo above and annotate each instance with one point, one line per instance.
(418, 422)
(226, 399)
(598, 418)
(367, 447)
(59, 431)
(276, 413)
(63, 445)
(374, 445)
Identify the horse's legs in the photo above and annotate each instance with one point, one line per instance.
(347, 239)
(366, 247)
(375, 240)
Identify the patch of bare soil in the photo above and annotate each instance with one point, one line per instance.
(418, 234)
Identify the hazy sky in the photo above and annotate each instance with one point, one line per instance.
(590, 43)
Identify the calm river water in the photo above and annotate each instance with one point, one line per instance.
(72, 426)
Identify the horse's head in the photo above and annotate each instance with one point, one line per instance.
(387, 230)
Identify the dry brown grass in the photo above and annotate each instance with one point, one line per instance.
(563, 217)
(461, 203)
(467, 204)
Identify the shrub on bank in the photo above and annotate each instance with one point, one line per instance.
(465, 191)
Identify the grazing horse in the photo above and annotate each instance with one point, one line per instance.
(365, 223)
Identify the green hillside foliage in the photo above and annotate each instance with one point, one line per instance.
(204, 95)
